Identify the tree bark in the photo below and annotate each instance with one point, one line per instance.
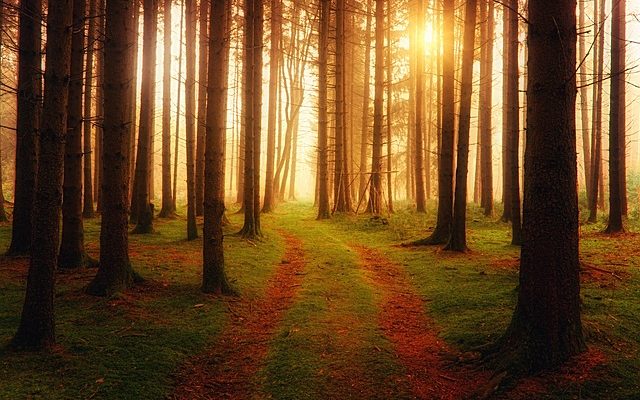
(115, 272)
(596, 134)
(88, 210)
(458, 240)
(324, 211)
(36, 330)
(584, 102)
(375, 192)
(513, 123)
(28, 125)
(364, 129)
(486, 133)
(506, 157)
(190, 118)
(546, 328)
(419, 116)
(168, 205)
(203, 70)
(97, 167)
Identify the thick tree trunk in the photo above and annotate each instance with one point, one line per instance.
(144, 222)
(168, 208)
(88, 210)
(203, 70)
(214, 279)
(486, 133)
(419, 107)
(190, 118)
(616, 130)
(115, 272)
(97, 151)
(441, 233)
(622, 114)
(36, 330)
(72, 253)
(458, 240)
(341, 180)
(546, 329)
(28, 122)
(506, 156)
(274, 68)
(252, 110)
(375, 192)
(3, 214)
(324, 211)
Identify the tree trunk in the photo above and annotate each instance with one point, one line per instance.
(190, 117)
(616, 130)
(88, 211)
(584, 103)
(506, 156)
(168, 208)
(364, 129)
(214, 279)
(419, 107)
(97, 167)
(274, 68)
(596, 134)
(340, 181)
(486, 134)
(389, 66)
(133, 128)
(546, 329)
(203, 70)
(622, 114)
(442, 232)
(144, 223)
(3, 214)
(28, 121)
(324, 211)
(115, 272)
(36, 330)
(458, 240)
(375, 192)
(513, 123)
(72, 253)
(252, 110)
(178, 110)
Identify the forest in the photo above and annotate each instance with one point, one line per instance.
(321, 199)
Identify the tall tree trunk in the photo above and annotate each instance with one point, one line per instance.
(274, 68)
(203, 70)
(97, 167)
(584, 102)
(622, 114)
(506, 157)
(389, 66)
(324, 211)
(28, 123)
(340, 181)
(252, 110)
(144, 223)
(133, 128)
(167, 209)
(596, 134)
(36, 330)
(442, 232)
(88, 211)
(419, 107)
(513, 123)
(375, 192)
(616, 130)
(214, 279)
(546, 329)
(364, 129)
(190, 118)
(72, 253)
(486, 134)
(3, 214)
(458, 240)
(115, 272)
(178, 110)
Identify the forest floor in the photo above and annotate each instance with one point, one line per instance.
(327, 310)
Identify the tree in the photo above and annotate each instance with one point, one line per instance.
(274, 68)
(28, 120)
(375, 192)
(364, 139)
(88, 210)
(323, 168)
(616, 121)
(72, 253)
(584, 102)
(3, 214)
(458, 240)
(115, 272)
(252, 111)
(442, 232)
(214, 279)
(168, 204)
(97, 162)
(419, 111)
(513, 123)
(506, 157)
(144, 220)
(546, 328)
(203, 67)
(37, 330)
(486, 129)
(190, 117)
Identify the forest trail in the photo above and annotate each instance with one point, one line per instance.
(227, 370)
(413, 334)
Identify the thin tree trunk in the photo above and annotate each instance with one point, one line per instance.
(3, 214)
(584, 102)
(115, 272)
(513, 123)
(375, 192)
(324, 211)
(506, 157)
(486, 134)
(167, 209)
(190, 118)
(28, 125)
(340, 179)
(178, 106)
(419, 107)
(364, 129)
(88, 211)
(203, 68)
(596, 134)
(97, 165)
(458, 240)
(36, 330)
(389, 109)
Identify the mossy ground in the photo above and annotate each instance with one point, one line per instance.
(328, 344)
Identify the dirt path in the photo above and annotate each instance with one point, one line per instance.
(228, 369)
(413, 334)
